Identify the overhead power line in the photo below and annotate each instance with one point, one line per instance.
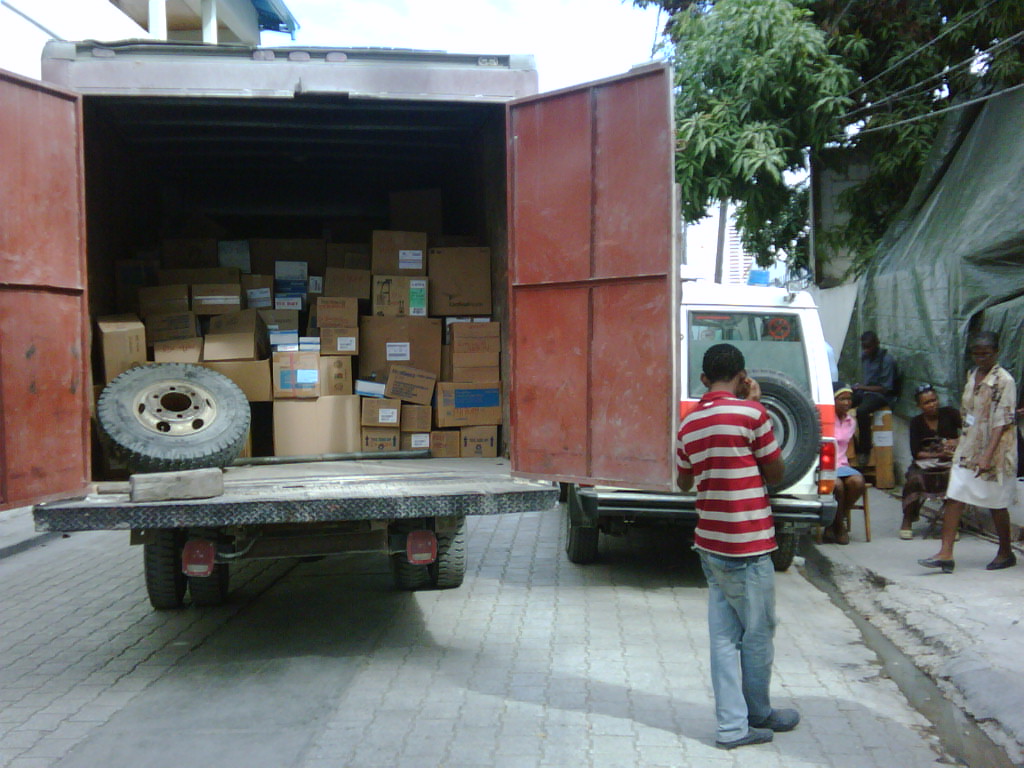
(969, 103)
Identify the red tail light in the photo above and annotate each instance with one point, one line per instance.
(827, 467)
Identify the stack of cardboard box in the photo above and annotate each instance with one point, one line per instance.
(346, 339)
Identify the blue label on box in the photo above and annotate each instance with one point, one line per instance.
(298, 379)
(477, 398)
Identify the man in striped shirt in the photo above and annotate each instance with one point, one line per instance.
(726, 444)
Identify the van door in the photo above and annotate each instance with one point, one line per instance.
(594, 283)
(44, 379)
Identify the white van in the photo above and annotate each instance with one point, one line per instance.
(779, 333)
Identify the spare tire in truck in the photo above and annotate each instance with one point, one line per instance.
(170, 416)
(795, 421)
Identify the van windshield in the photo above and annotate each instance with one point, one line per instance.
(768, 340)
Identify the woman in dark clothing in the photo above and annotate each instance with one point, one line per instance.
(933, 437)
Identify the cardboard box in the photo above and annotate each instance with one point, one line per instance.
(468, 404)
(410, 384)
(354, 283)
(193, 276)
(296, 374)
(339, 341)
(478, 442)
(236, 336)
(417, 210)
(171, 327)
(460, 281)
(348, 255)
(409, 341)
(477, 344)
(380, 439)
(257, 291)
(416, 418)
(216, 298)
(293, 302)
(251, 376)
(335, 375)
(469, 329)
(123, 343)
(381, 412)
(163, 300)
(414, 441)
(399, 296)
(280, 319)
(399, 253)
(234, 253)
(476, 374)
(446, 443)
(181, 351)
(188, 252)
(264, 252)
(297, 271)
(328, 425)
(474, 359)
(337, 312)
(369, 388)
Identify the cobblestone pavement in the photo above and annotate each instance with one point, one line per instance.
(533, 662)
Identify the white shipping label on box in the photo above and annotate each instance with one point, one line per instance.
(217, 300)
(410, 259)
(420, 440)
(387, 416)
(417, 298)
(307, 377)
(316, 285)
(284, 337)
(882, 438)
(397, 350)
(346, 344)
(259, 298)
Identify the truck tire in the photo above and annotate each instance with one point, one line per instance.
(161, 558)
(782, 557)
(581, 541)
(448, 571)
(210, 590)
(169, 416)
(795, 421)
(409, 577)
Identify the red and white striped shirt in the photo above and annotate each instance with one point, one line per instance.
(723, 442)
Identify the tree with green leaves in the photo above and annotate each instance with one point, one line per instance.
(762, 86)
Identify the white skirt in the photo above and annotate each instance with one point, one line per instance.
(966, 487)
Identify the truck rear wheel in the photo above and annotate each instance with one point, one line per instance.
(581, 541)
(212, 589)
(409, 577)
(168, 416)
(161, 558)
(449, 569)
(782, 557)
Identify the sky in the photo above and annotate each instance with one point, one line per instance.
(573, 41)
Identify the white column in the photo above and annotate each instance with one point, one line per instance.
(158, 19)
(209, 21)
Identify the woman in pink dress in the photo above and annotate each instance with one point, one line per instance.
(849, 482)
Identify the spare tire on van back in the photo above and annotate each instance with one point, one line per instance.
(795, 421)
(171, 416)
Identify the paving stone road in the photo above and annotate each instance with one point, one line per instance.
(533, 662)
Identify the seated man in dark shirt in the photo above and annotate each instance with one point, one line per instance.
(877, 389)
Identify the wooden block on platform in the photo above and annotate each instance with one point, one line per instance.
(169, 486)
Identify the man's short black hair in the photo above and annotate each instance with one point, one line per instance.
(984, 339)
(869, 337)
(722, 362)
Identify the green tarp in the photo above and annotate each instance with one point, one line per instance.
(954, 263)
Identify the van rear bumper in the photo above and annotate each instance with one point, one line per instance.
(790, 513)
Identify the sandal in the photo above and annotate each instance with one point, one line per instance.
(906, 534)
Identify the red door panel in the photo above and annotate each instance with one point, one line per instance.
(44, 416)
(594, 283)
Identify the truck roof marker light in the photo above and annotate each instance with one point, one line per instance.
(421, 547)
(198, 557)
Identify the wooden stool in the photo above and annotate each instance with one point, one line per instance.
(864, 506)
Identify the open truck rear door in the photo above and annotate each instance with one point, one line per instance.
(594, 282)
(44, 327)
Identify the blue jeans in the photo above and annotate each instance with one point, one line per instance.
(741, 618)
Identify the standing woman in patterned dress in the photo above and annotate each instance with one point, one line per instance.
(984, 469)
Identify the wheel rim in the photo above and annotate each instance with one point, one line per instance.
(783, 424)
(175, 407)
